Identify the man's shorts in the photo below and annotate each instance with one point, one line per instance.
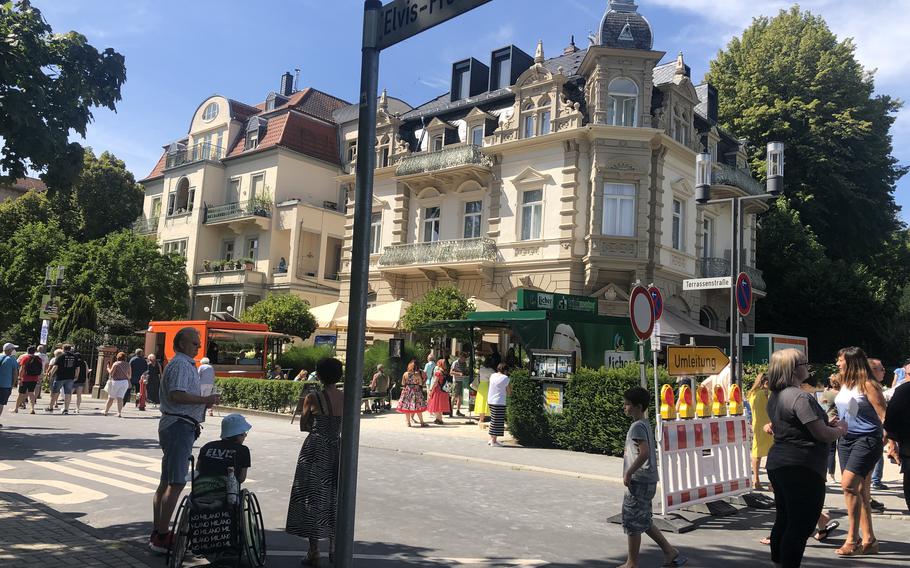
(4, 395)
(27, 387)
(176, 442)
(65, 384)
(636, 507)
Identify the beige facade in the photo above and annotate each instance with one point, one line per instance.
(249, 206)
(582, 182)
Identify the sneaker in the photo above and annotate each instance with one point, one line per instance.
(879, 486)
(161, 544)
(876, 505)
(496, 444)
(49, 409)
(459, 414)
(65, 412)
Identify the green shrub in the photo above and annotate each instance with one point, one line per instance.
(296, 358)
(259, 394)
(525, 413)
(750, 371)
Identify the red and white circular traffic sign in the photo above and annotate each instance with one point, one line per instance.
(744, 294)
(658, 300)
(641, 312)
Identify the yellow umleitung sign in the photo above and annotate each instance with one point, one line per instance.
(695, 360)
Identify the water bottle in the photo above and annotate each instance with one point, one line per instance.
(233, 487)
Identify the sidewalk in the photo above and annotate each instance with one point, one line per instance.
(35, 535)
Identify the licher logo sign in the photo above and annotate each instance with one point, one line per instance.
(697, 361)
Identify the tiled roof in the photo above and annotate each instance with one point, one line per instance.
(319, 104)
(664, 74)
(701, 108)
(623, 27)
(158, 170)
(296, 132)
(350, 113)
(29, 183)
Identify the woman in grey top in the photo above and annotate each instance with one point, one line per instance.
(797, 460)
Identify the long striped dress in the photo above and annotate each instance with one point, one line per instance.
(314, 494)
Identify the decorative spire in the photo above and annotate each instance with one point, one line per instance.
(571, 48)
(538, 55)
(384, 101)
(680, 64)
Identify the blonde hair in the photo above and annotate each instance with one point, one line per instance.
(760, 380)
(782, 369)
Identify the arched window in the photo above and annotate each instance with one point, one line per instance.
(530, 131)
(707, 318)
(622, 102)
(181, 199)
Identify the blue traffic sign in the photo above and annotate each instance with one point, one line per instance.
(743, 294)
(658, 301)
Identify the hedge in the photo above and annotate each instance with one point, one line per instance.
(296, 358)
(259, 394)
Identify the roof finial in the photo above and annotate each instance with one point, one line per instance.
(680, 64)
(538, 55)
(384, 100)
(571, 48)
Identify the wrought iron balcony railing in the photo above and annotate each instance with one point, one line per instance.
(238, 210)
(145, 225)
(444, 159)
(195, 153)
(716, 267)
(439, 252)
(724, 174)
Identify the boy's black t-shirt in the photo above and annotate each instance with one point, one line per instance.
(216, 457)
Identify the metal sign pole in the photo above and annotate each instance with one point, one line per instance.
(360, 274)
(734, 313)
(644, 369)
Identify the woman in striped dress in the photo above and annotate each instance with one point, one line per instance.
(498, 394)
(314, 494)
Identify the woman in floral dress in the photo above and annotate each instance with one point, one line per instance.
(412, 401)
(439, 399)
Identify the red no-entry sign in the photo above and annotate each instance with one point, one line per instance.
(641, 312)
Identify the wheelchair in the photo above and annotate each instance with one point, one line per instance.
(207, 525)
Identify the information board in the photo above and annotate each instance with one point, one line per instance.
(537, 300)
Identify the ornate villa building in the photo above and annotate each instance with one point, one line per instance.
(569, 172)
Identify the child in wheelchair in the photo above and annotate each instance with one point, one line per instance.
(211, 484)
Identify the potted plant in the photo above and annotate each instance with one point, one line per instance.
(248, 263)
(206, 265)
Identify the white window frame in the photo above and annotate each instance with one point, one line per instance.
(175, 247)
(707, 237)
(228, 250)
(237, 194)
(619, 197)
(530, 126)
(252, 248)
(473, 219)
(431, 224)
(474, 138)
(531, 216)
(616, 104)
(210, 112)
(678, 231)
(253, 178)
(352, 151)
(544, 122)
(376, 232)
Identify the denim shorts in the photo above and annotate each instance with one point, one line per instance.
(176, 442)
(859, 453)
(65, 384)
(4, 395)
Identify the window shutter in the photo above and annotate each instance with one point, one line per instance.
(190, 198)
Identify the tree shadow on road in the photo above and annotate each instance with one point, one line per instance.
(19, 446)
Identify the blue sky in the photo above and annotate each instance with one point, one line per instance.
(178, 53)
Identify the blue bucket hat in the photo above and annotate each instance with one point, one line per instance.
(234, 425)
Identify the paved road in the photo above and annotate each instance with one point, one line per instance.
(430, 496)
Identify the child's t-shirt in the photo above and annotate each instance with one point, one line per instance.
(641, 431)
(216, 457)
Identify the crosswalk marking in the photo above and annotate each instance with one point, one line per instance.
(74, 495)
(113, 470)
(127, 459)
(80, 474)
(523, 562)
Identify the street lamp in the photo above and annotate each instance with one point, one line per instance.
(773, 188)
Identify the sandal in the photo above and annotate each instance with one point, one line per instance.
(424, 425)
(766, 541)
(870, 547)
(678, 560)
(822, 534)
(849, 549)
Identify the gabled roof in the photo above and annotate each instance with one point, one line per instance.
(294, 131)
(309, 101)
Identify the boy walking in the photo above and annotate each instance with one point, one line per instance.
(640, 478)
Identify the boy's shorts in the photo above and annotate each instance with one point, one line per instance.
(636, 507)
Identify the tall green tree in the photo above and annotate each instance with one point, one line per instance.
(788, 78)
(442, 303)
(26, 254)
(49, 84)
(105, 195)
(80, 314)
(284, 313)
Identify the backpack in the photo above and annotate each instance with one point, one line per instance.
(34, 366)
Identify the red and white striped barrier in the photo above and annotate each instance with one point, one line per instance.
(705, 459)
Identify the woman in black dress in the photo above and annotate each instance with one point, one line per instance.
(154, 379)
(314, 494)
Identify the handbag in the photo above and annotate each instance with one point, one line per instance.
(475, 384)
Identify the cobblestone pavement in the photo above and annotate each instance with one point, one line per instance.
(36, 535)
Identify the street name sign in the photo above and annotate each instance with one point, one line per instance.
(717, 283)
(683, 361)
(401, 19)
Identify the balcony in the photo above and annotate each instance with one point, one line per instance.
(257, 210)
(145, 225)
(454, 165)
(444, 255)
(196, 153)
(724, 174)
(717, 267)
(229, 277)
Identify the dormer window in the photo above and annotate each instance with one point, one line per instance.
(210, 112)
(622, 102)
(501, 70)
(477, 135)
(469, 78)
(460, 81)
(270, 101)
(437, 143)
(255, 129)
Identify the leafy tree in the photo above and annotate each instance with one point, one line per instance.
(788, 78)
(81, 314)
(442, 303)
(26, 254)
(49, 84)
(285, 313)
(106, 196)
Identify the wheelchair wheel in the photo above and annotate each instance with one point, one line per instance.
(252, 529)
(181, 528)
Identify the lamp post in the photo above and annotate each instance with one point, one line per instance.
(53, 279)
(773, 188)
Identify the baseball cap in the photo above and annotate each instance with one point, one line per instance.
(234, 425)
(7, 346)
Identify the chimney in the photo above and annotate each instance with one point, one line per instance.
(287, 84)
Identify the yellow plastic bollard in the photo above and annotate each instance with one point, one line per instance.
(686, 408)
(703, 406)
(719, 408)
(667, 403)
(735, 404)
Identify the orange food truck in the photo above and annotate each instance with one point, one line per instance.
(235, 349)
